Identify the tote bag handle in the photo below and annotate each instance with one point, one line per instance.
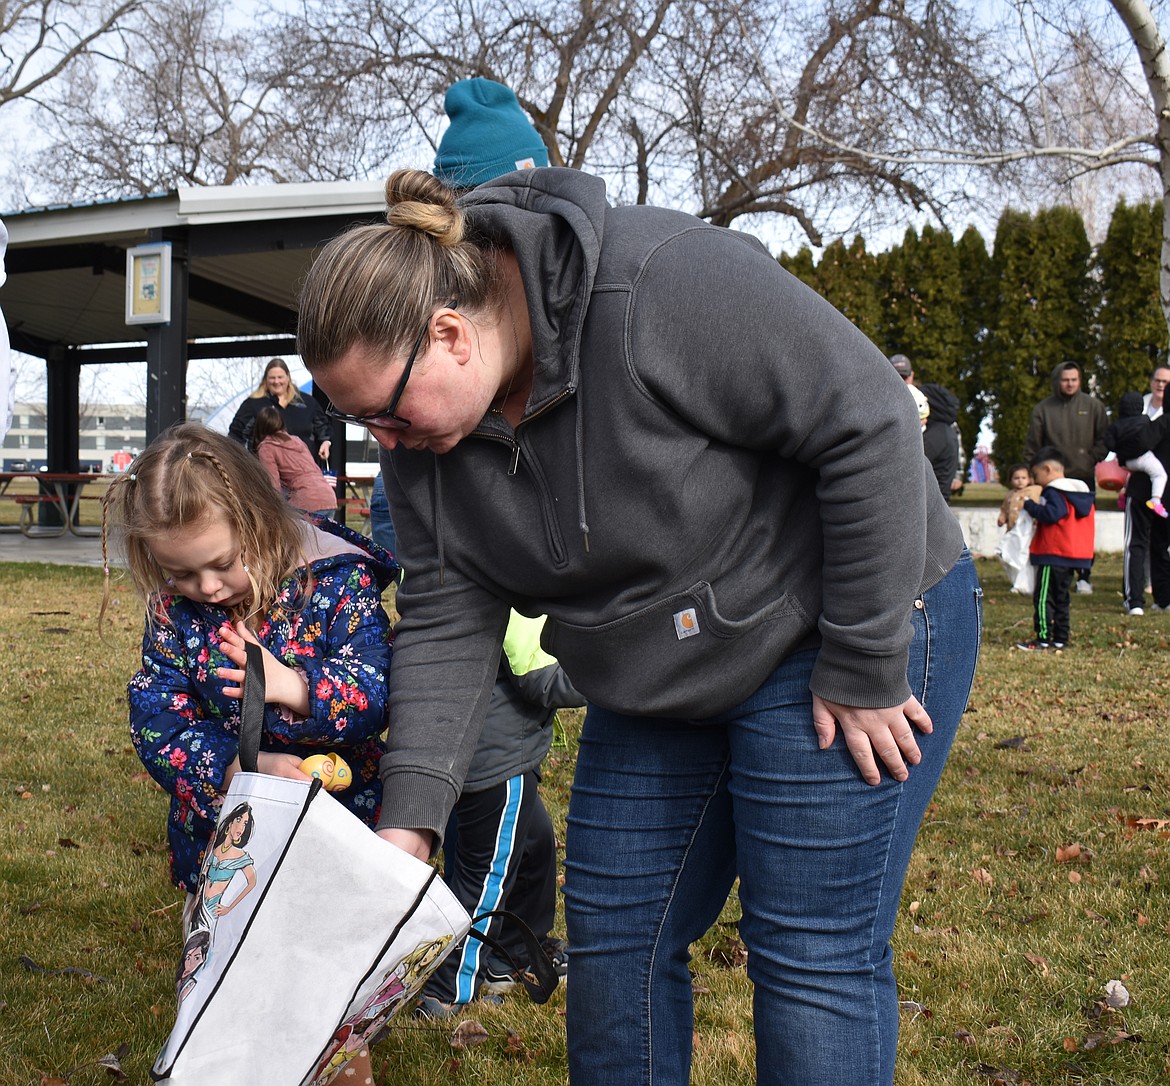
(252, 708)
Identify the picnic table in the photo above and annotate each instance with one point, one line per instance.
(61, 492)
(353, 496)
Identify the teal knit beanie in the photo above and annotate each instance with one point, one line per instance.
(489, 135)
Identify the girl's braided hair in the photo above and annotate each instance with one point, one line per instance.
(185, 478)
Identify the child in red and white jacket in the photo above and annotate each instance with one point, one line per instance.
(1063, 543)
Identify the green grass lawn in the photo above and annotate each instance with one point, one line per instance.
(1040, 875)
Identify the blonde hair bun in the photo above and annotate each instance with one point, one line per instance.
(419, 201)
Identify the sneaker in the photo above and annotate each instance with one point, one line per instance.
(1084, 588)
(1155, 504)
(1056, 646)
(1035, 645)
(430, 1007)
(1159, 607)
(558, 953)
(498, 977)
(1136, 611)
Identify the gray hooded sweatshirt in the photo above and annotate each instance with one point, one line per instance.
(714, 470)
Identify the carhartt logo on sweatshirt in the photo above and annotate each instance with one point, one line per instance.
(686, 623)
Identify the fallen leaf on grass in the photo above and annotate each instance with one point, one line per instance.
(1148, 823)
(729, 952)
(1016, 742)
(982, 876)
(469, 1032)
(1096, 1040)
(918, 1010)
(1000, 1076)
(1038, 962)
(111, 1061)
(516, 1049)
(1074, 853)
(964, 1036)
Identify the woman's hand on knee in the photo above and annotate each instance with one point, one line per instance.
(874, 735)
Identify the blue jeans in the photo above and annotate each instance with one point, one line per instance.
(664, 814)
(381, 526)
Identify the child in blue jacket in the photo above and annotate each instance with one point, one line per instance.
(219, 559)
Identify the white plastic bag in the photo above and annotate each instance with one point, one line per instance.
(1014, 550)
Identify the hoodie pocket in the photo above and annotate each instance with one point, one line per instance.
(678, 657)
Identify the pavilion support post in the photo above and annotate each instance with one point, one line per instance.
(63, 441)
(166, 346)
(63, 414)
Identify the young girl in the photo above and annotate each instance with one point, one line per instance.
(290, 465)
(219, 559)
(1020, 488)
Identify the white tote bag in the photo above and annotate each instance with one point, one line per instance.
(309, 932)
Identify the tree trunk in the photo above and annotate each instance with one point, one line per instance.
(1151, 47)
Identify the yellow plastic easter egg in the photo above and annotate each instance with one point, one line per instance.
(342, 775)
(319, 766)
(330, 769)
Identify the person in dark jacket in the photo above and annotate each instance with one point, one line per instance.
(940, 437)
(303, 416)
(1131, 436)
(1147, 536)
(1074, 422)
(713, 485)
(938, 408)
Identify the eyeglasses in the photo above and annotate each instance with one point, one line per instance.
(386, 419)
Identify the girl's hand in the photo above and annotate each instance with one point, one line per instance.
(270, 762)
(281, 765)
(283, 685)
(886, 733)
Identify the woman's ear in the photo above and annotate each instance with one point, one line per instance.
(452, 335)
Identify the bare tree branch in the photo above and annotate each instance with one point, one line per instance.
(40, 39)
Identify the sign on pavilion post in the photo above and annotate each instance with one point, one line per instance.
(148, 284)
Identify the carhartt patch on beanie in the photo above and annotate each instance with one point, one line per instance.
(489, 135)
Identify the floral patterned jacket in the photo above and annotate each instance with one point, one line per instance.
(185, 730)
